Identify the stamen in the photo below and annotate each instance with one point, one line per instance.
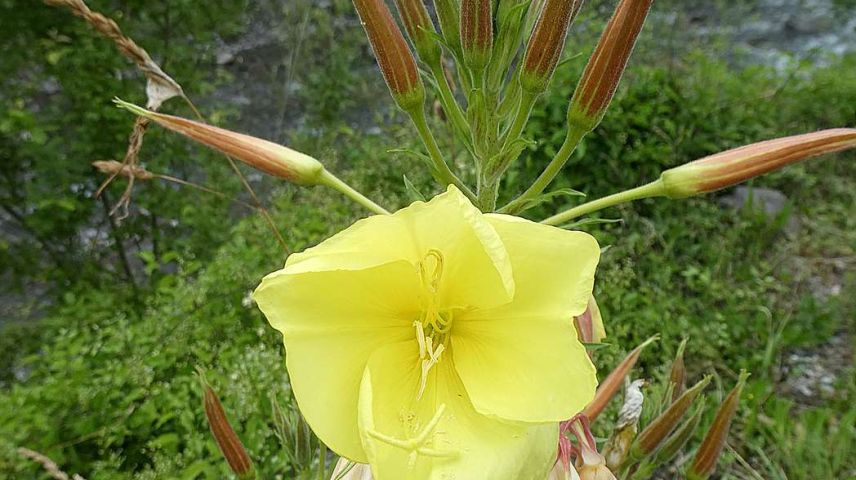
(433, 359)
(418, 445)
(420, 337)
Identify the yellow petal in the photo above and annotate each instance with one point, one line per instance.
(331, 322)
(441, 436)
(522, 361)
(476, 271)
(476, 268)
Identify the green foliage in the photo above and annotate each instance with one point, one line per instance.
(105, 384)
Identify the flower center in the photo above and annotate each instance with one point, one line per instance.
(433, 325)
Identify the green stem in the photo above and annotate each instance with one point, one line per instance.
(441, 170)
(653, 189)
(447, 98)
(333, 182)
(322, 461)
(524, 109)
(571, 141)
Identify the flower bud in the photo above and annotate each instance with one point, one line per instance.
(680, 438)
(477, 33)
(678, 373)
(606, 66)
(590, 463)
(740, 164)
(419, 28)
(449, 16)
(393, 55)
(228, 442)
(613, 382)
(263, 155)
(714, 441)
(348, 470)
(547, 43)
(589, 325)
(657, 431)
(561, 471)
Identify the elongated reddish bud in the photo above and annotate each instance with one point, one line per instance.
(449, 16)
(678, 373)
(714, 441)
(393, 55)
(657, 431)
(681, 436)
(420, 29)
(613, 382)
(477, 33)
(740, 164)
(227, 440)
(606, 66)
(547, 43)
(263, 155)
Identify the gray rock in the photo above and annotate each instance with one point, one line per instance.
(772, 203)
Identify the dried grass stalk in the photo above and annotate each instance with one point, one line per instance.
(49, 465)
(160, 86)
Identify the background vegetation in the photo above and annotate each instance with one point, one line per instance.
(102, 322)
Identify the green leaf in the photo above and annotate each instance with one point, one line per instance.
(412, 191)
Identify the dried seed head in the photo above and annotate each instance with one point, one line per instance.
(606, 66)
(420, 29)
(261, 154)
(160, 87)
(547, 43)
(618, 446)
(477, 33)
(657, 431)
(392, 53)
(228, 441)
(714, 441)
(112, 167)
(740, 164)
(613, 382)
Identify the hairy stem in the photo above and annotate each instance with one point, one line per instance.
(653, 189)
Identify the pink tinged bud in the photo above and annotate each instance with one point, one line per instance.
(613, 382)
(420, 28)
(547, 43)
(714, 441)
(590, 463)
(393, 55)
(589, 325)
(562, 471)
(348, 470)
(227, 440)
(740, 164)
(606, 66)
(477, 32)
(263, 155)
(657, 431)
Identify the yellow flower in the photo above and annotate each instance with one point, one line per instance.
(437, 342)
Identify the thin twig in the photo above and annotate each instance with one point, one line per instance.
(49, 465)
